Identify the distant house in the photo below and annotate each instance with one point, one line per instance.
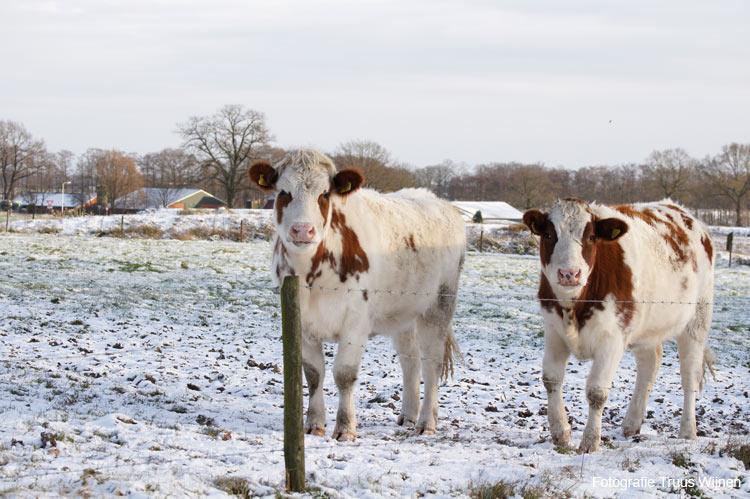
(492, 211)
(156, 198)
(41, 201)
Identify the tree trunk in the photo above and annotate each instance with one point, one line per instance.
(738, 212)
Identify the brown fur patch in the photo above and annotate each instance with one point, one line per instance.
(708, 247)
(687, 221)
(610, 275)
(676, 237)
(282, 201)
(589, 247)
(675, 208)
(323, 202)
(353, 258)
(282, 264)
(547, 296)
(321, 255)
(410, 243)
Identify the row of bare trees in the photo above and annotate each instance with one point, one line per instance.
(217, 150)
(718, 182)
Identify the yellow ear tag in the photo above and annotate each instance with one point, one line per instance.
(346, 189)
(262, 180)
(615, 233)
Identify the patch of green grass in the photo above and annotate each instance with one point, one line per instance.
(630, 464)
(234, 486)
(680, 459)
(498, 490)
(562, 449)
(137, 267)
(739, 451)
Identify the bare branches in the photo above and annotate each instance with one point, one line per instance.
(670, 171)
(225, 142)
(381, 172)
(21, 155)
(729, 174)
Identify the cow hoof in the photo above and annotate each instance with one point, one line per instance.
(344, 436)
(316, 430)
(588, 445)
(688, 434)
(425, 429)
(631, 430)
(561, 438)
(403, 420)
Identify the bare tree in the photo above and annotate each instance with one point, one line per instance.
(528, 186)
(116, 174)
(20, 155)
(729, 174)
(225, 143)
(669, 171)
(438, 177)
(375, 161)
(170, 170)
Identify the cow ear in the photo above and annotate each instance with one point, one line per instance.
(610, 229)
(347, 181)
(263, 175)
(536, 221)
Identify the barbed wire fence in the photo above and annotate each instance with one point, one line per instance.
(295, 364)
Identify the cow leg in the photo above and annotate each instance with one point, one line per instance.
(647, 363)
(556, 355)
(408, 356)
(431, 337)
(606, 359)
(691, 371)
(345, 372)
(313, 364)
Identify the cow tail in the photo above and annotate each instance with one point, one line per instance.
(452, 354)
(709, 360)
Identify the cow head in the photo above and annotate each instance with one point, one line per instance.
(570, 235)
(305, 183)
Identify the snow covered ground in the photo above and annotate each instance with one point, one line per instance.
(155, 366)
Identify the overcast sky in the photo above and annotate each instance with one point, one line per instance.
(568, 83)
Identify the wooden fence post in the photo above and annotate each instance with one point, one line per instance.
(291, 337)
(730, 241)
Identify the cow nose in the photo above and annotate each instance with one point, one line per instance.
(302, 233)
(569, 277)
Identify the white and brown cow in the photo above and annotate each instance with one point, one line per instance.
(598, 264)
(333, 235)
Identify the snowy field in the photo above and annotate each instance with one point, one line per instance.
(152, 367)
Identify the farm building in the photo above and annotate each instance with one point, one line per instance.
(156, 198)
(492, 211)
(41, 201)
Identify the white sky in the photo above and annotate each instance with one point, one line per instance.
(474, 81)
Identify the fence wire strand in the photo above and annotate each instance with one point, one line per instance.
(515, 296)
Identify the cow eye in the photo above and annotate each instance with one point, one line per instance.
(592, 237)
(326, 194)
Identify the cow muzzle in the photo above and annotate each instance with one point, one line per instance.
(569, 277)
(302, 233)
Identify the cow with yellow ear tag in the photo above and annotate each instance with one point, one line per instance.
(606, 273)
(347, 244)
